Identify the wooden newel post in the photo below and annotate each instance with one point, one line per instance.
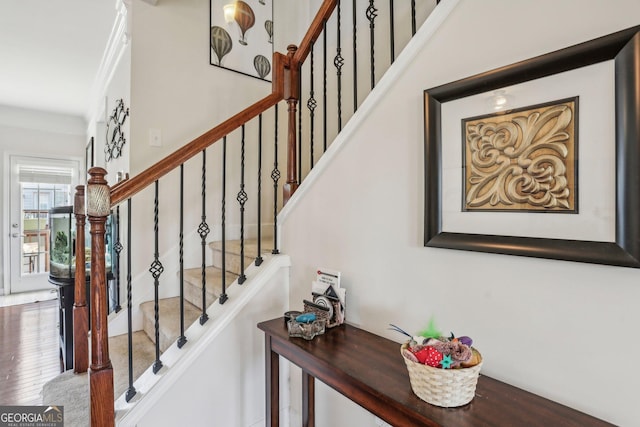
(292, 94)
(101, 371)
(80, 309)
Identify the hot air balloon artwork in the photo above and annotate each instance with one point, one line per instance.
(241, 37)
(268, 25)
(262, 65)
(220, 42)
(245, 18)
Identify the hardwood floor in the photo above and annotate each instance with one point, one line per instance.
(29, 351)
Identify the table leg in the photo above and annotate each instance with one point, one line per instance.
(272, 372)
(308, 400)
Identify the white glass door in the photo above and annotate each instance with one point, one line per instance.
(36, 185)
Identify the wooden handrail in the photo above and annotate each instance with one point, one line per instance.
(126, 189)
(314, 31)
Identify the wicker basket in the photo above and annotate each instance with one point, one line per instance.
(447, 388)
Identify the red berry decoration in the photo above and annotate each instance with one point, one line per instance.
(429, 356)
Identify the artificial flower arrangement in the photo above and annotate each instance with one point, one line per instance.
(443, 370)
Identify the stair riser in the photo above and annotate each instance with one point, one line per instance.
(169, 322)
(232, 261)
(149, 328)
(193, 294)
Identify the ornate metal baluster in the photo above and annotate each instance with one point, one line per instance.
(223, 296)
(131, 391)
(259, 255)
(338, 62)
(108, 238)
(156, 270)
(275, 176)
(355, 58)
(203, 231)
(392, 32)
(371, 16)
(413, 17)
(311, 105)
(242, 199)
(182, 340)
(324, 85)
(117, 247)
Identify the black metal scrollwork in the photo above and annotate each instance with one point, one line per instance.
(115, 135)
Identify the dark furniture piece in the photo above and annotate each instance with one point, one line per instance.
(369, 370)
(62, 272)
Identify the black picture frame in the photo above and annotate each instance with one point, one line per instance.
(89, 155)
(623, 47)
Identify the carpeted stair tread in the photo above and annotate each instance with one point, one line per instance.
(72, 390)
(169, 319)
(143, 357)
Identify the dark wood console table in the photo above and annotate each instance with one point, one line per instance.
(369, 370)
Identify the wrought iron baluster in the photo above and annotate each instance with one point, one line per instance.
(259, 255)
(355, 58)
(182, 340)
(338, 62)
(223, 296)
(108, 239)
(203, 231)
(131, 391)
(413, 17)
(392, 32)
(324, 85)
(275, 176)
(117, 247)
(311, 105)
(156, 270)
(372, 13)
(242, 199)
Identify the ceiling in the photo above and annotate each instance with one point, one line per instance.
(50, 52)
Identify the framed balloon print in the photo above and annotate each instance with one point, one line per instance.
(241, 36)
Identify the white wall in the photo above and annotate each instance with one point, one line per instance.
(33, 133)
(174, 88)
(541, 325)
(119, 87)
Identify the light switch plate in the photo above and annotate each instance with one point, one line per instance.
(155, 137)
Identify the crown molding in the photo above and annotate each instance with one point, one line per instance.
(116, 45)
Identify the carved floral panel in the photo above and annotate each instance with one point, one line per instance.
(522, 160)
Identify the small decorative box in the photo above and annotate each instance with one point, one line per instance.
(306, 330)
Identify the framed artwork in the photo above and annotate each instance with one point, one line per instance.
(522, 160)
(589, 213)
(241, 36)
(88, 156)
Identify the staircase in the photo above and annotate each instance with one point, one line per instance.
(169, 330)
(161, 317)
(72, 390)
